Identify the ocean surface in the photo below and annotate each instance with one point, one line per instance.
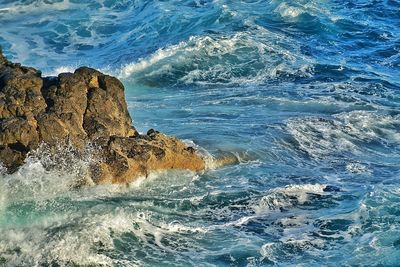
(305, 93)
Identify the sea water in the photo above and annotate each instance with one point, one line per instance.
(305, 93)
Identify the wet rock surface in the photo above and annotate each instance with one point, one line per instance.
(79, 108)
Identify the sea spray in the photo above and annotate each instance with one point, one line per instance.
(49, 172)
(3, 190)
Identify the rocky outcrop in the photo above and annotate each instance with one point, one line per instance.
(78, 108)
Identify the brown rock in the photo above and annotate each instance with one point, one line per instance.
(139, 156)
(79, 108)
(106, 114)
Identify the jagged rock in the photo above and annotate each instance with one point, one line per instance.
(78, 108)
(128, 158)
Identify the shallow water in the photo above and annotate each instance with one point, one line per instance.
(306, 93)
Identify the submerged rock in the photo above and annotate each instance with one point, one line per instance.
(80, 108)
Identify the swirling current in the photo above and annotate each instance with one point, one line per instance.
(305, 93)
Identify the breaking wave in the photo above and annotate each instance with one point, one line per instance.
(289, 197)
(245, 57)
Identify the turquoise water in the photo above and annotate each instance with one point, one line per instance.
(305, 93)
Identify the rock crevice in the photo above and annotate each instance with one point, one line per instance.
(79, 108)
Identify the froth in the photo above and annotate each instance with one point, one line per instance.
(345, 132)
(287, 197)
(80, 235)
(48, 172)
(293, 9)
(288, 11)
(245, 57)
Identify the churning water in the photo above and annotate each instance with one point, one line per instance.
(306, 93)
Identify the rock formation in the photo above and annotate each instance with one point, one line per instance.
(78, 108)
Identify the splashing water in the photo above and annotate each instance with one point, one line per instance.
(306, 94)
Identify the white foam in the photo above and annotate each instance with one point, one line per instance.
(47, 174)
(289, 11)
(356, 167)
(142, 64)
(3, 170)
(371, 125)
(62, 69)
(342, 132)
(178, 227)
(241, 221)
(75, 242)
(36, 6)
(287, 197)
(293, 9)
(244, 57)
(3, 196)
(84, 233)
(299, 220)
(283, 250)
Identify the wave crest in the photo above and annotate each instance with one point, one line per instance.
(288, 197)
(245, 57)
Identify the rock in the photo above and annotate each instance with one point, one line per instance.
(81, 108)
(129, 158)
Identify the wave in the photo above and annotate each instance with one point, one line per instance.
(251, 45)
(34, 245)
(102, 227)
(367, 232)
(350, 132)
(276, 252)
(291, 196)
(245, 57)
(47, 174)
(45, 219)
(294, 9)
(280, 205)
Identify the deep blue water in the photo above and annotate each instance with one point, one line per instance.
(306, 93)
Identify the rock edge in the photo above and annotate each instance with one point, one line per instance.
(79, 108)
